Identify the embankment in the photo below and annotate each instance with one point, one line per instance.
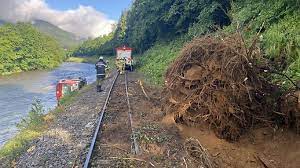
(30, 129)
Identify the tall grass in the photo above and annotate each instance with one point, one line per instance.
(30, 128)
(155, 61)
(280, 36)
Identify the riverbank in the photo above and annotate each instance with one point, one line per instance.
(66, 133)
(19, 91)
(90, 60)
(73, 118)
(30, 128)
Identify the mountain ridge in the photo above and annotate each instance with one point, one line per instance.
(2, 22)
(65, 38)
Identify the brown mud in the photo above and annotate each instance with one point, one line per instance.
(259, 148)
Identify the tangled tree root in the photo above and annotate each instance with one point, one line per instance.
(216, 82)
(196, 151)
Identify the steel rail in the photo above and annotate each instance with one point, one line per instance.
(92, 146)
(135, 148)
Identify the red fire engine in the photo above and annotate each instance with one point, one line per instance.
(66, 86)
(125, 53)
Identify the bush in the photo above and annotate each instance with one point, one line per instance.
(30, 127)
(35, 118)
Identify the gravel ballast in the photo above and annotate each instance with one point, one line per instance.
(65, 142)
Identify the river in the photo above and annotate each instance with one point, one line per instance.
(19, 91)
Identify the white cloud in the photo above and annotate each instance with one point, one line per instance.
(84, 21)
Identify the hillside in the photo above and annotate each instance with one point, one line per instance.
(24, 48)
(2, 22)
(91, 47)
(278, 39)
(158, 34)
(66, 39)
(151, 21)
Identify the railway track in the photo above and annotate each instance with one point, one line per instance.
(114, 134)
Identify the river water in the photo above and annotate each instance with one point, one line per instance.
(19, 91)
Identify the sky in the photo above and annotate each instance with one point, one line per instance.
(112, 8)
(85, 18)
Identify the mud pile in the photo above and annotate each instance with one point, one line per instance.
(214, 81)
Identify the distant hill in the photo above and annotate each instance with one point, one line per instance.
(24, 48)
(2, 22)
(66, 39)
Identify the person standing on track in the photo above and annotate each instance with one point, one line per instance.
(101, 65)
(120, 63)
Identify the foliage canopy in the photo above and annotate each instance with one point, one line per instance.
(23, 48)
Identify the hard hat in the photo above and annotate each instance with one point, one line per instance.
(101, 58)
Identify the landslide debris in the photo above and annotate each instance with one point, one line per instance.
(217, 82)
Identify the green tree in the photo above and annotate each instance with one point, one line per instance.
(23, 48)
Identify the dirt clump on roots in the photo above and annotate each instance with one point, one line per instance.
(217, 82)
(290, 107)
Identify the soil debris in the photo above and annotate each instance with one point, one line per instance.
(290, 108)
(216, 82)
(198, 152)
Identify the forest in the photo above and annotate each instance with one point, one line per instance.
(24, 48)
(157, 30)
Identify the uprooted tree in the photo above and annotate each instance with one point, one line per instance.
(219, 82)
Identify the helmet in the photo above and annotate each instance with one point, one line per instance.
(101, 58)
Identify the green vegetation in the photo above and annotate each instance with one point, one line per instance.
(279, 22)
(91, 47)
(154, 62)
(32, 127)
(65, 39)
(91, 59)
(68, 98)
(158, 29)
(151, 21)
(23, 48)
